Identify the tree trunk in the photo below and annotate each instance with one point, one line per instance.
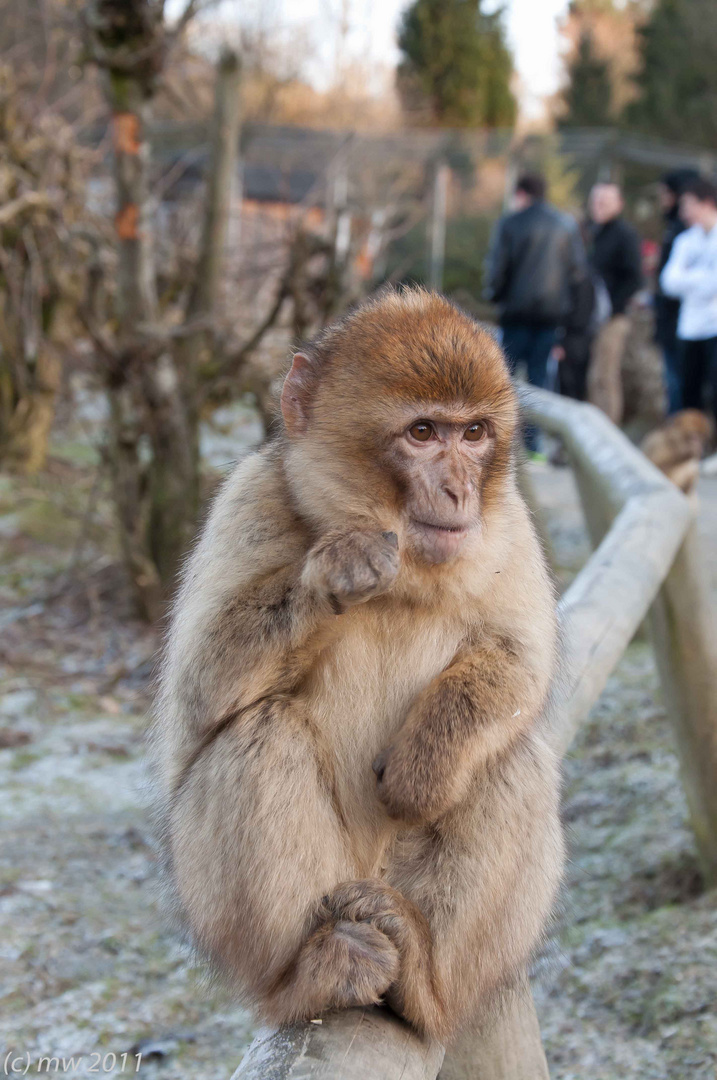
(156, 500)
(194, 352)
(25, 421)
(30, 377)
(220, 184)
(153, 387)
(129, 485)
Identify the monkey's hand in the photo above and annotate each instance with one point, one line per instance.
(416, 781)
(353, 567)
(471, 713)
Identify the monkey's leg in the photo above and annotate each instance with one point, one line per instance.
(257, 837)
(485, 878)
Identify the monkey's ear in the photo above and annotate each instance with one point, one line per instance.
(297, 394)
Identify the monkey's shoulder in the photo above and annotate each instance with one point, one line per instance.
(254, 509)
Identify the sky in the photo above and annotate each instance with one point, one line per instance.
(531, 26)
(533, 34)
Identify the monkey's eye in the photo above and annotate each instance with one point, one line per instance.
(421, 431)
(476, 431)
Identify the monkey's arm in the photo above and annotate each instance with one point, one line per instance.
(471, 713)
(256, 594)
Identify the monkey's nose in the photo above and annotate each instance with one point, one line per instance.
(458, 491)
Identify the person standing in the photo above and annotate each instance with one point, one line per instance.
(536, 257)
(667, 308)
(615, 257)
(573, 349)
(690, 276)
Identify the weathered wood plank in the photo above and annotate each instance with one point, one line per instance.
(608, 600)
(612, 474)
(358, 1044)
(683, 624)
(619, 469)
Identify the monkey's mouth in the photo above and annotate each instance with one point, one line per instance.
(456, 530)
(438, 543)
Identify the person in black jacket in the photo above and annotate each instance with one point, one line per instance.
(573, 350)
(536, 259)
(615, 256)
(667, 308)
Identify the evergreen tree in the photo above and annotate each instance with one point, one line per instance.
(677, 82)
(457, 66)
(588, 95)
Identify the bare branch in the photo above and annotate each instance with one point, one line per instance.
(190, 10)
(31, 199)
(232, 363)
(100, 339)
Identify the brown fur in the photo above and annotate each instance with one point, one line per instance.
(678, 445)
(359, 599)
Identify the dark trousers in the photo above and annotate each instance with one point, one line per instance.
(573, 368)
(699, 374)
(529, 343)
(673, 375)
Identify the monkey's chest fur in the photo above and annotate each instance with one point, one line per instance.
(361, 689)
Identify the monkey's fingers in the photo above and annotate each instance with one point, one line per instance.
(355, 567)
(342, 965)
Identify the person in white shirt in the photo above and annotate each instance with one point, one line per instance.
(690, 275)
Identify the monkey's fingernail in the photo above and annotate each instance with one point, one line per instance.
(391, 537)
(379, 767)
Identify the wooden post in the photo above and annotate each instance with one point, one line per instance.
(684, 633)
(220, 184)
(508, 1048)
(438, 226)
(527, 490)
(597, 511)
(603, 608)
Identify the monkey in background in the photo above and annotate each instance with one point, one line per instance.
(678, 445)
(358, 796)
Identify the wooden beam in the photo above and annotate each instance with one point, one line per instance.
(358, 1044)
(509, 1047)
(683, 624)
(603, 608)
(650, 556)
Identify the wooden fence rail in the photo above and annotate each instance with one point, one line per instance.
(646, 559)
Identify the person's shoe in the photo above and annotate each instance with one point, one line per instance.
(559, 457)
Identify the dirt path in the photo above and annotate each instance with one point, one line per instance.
(88, 963)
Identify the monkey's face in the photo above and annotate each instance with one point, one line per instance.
(440, 459)
(402, 415)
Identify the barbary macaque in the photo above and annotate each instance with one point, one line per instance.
(678, 445)
(358, 792)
